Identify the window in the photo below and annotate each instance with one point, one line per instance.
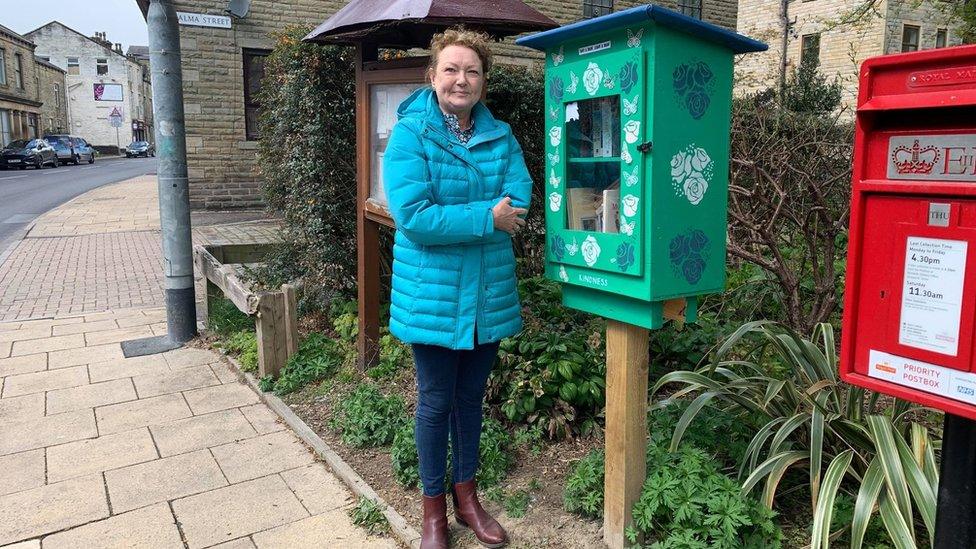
(810, 49)
(691, 8)
(593, 168)
(596, 8)
(57, 95)
(941, 37)
(909, 38)
(3, 67)
(73, 67)
(19, 70)
(101, 66)
(32, 125)
(253, 73)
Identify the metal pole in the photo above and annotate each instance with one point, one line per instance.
(955, 521)
(174, 197)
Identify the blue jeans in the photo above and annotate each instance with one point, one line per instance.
(450, 391)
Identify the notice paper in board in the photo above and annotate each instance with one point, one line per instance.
(931, 299)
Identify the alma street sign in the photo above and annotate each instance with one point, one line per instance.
(203, 20)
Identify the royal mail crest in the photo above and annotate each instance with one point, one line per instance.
(915, 160)
(935, 157)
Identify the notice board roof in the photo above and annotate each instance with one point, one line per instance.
(411, 23)
(639, 16)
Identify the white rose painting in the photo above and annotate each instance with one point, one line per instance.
(555, 201)
(592, 78)
(691, 172)
(591, 251)
(632, 131)
(555, 136)
(630, 203)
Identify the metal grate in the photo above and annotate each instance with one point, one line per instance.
(596, 8)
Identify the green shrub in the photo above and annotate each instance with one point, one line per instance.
(403, 456)
(687, 502)
(366, 418)
(394, 357)
(243, 345)
(317, 358)
(369, 515)
(583, 493)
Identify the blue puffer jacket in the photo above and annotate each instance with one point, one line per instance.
(451, 269)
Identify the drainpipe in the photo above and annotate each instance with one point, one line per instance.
(784, 13)
(174, 198)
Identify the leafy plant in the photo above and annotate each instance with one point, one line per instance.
(517, 503)
(369, 515)
(367, 418)
(317, 358)
(583, 493)
(403, 456)
(394, 357)
(244, 345)
(836, 435)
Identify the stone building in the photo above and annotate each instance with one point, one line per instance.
(20, 101)
(101, 82)
(223, 66)
(892, 26)
(52, 86)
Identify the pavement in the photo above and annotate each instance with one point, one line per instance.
(170, 450)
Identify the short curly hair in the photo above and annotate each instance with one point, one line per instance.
(460, 36)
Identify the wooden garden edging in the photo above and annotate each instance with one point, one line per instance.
(275, 313)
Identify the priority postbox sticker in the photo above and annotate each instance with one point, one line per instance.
(923, 376)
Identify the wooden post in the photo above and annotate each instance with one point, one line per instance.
(626, 434)
(272, 343)
(291, 319)
(367, 231)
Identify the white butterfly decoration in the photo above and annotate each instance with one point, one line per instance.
(634, 40)
(553, 158)
(558, 58)
(553, 180)
(608, 81)
(562, 274)
(555, 201)
(571, 249)
(628, 228)
(573, 83)
(553, 113)
(625, 154)
(631, 179)
(630, 107)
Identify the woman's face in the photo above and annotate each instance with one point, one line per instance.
(458, 79)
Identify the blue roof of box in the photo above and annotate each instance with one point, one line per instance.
(638, 16)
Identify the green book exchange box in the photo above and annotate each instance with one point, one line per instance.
(638, 105)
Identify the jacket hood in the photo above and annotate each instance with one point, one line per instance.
(422, 105)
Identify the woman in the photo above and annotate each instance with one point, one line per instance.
(457, 187)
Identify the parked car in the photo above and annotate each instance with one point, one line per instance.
(140, 148)
(83, 151)
(22, 153)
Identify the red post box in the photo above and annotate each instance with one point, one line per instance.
(910, 302)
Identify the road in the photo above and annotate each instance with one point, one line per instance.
(26, 194)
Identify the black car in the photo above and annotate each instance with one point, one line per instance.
(22, 153)
(140, 148)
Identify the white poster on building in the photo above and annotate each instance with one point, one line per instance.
(108, 92)
(931, 303)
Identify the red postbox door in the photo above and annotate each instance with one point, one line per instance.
(910, 298)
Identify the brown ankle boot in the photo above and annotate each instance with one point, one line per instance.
(434, 535)
(469, 512)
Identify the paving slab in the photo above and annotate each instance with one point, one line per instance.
(262, 456)
(31, 544)
(117, 336)
(126, 367)
(317, 488)
(23, 471)
(31, 332)
(220, 397)
(38, 382)
(28, 434)
(195, 433)
(225, 372)
(236, 511)
(189, 357)
(160, 383)
(22, 407)
(263, 419)
(141, 413)
(28, 514)
(46, 344)
(163, 480)
(333, 529)
(85, 327)
(241, 543)
(87, 355)
(23, 364)
(95, 455)
(149, 528)
(90, 396)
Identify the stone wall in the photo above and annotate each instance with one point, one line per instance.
(54, 111)
(19, 104)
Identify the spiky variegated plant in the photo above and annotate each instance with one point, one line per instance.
(811, 420)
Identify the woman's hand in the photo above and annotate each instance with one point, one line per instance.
(506, 217)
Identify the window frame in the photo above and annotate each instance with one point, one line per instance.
(57, 95)
(250, 103)
(804, 48)
(689, 8)
(944, 35)
(100, 63)
(3, 67)
(19, 70)
(76, 65)
(906, 46)
(593, 8)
